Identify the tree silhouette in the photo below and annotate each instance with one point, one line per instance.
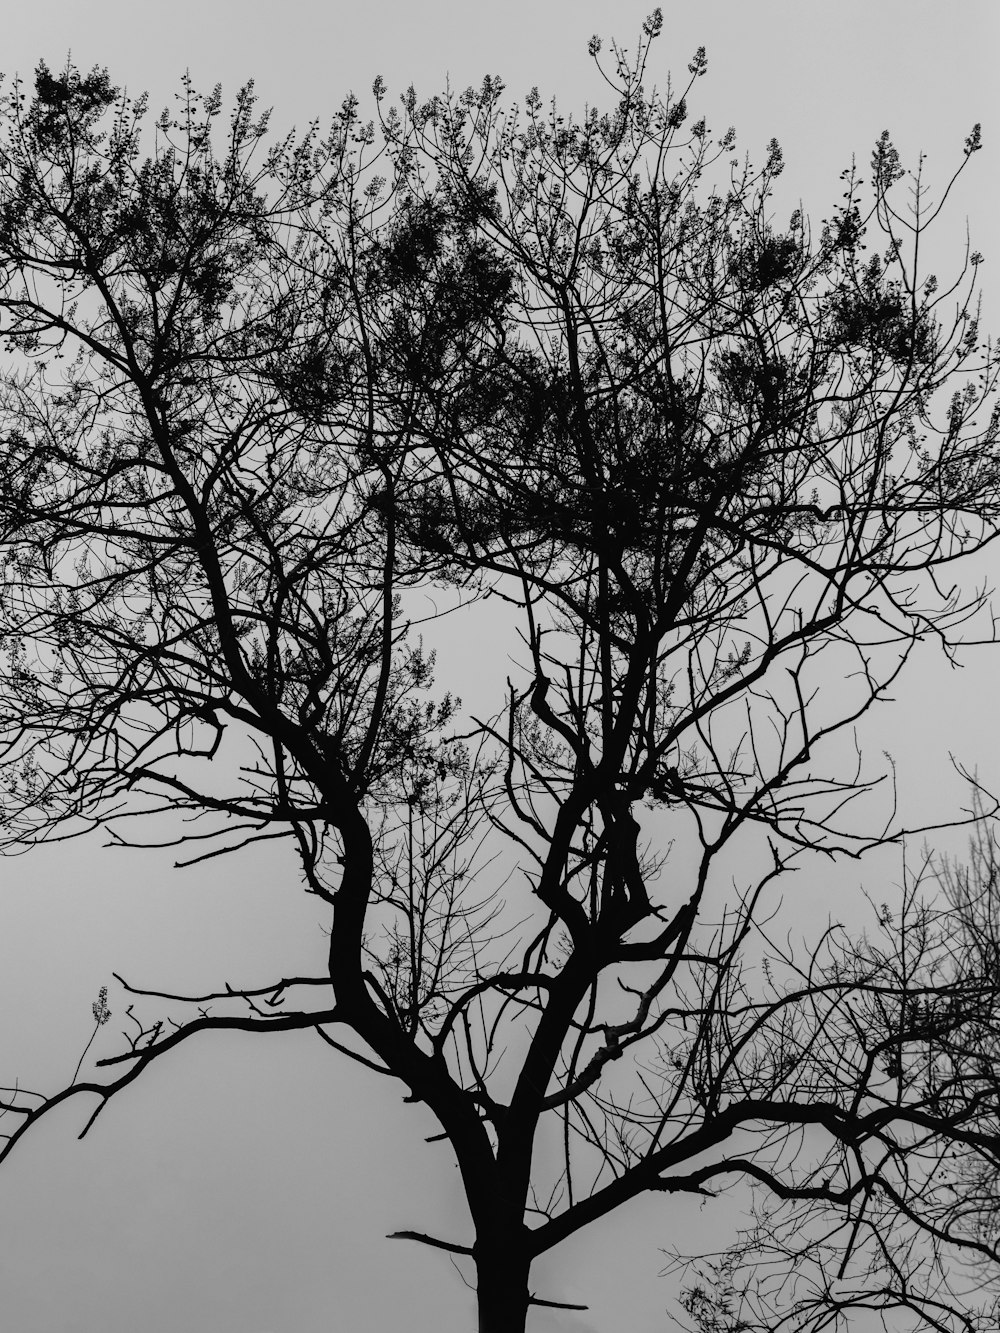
(710, 470)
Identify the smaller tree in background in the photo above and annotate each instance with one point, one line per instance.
(916, 1238)
(712, 469)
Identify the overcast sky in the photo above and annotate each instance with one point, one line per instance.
(246, 1185)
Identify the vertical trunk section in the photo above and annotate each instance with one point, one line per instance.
(502, 1289)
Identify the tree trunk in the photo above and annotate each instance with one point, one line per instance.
(502, 1291)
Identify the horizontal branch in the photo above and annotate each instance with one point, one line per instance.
(430, 1240)
(556, 1305)
(280, 1023)
(646, 1174)
(230, 993)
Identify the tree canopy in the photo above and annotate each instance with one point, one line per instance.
(709, 470)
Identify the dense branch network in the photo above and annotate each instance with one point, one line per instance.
(266, 405)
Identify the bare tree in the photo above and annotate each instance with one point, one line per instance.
(907, 1223)
(712, 470)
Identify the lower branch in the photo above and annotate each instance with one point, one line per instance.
(556, 1305)
(430, 1240)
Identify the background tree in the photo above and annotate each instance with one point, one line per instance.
(258, 401)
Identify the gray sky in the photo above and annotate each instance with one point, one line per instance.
(245, 1185)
